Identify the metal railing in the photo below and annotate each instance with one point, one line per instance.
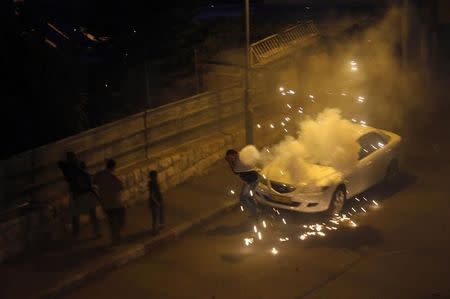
(279, 45)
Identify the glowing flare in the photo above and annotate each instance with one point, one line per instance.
(242, 208)
(303, 237)
(322, 234)
(353, 224)
(354, 210)
(248, 241)
(375, 202)
(251, 192)
(274, 251)
(357, 198)
(286, 130)
(264, 224)
(255, 229)
(284, 221)
(259, 126)
(364, 210)
(281, 88)
(283, 124)
(272, 126)
(259, 235)
(232, 192)
(289, 106)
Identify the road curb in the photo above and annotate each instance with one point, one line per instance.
(130, 254)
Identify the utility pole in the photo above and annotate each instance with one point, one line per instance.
(247, 102)
(197, 72)
(147, 84)
(405, 32)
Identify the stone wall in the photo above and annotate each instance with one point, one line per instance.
(179, 140)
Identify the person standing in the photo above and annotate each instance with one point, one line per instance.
(83, 199)
(156, 203)
(110, 188)
(249, 176)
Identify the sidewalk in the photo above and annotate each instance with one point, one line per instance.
(62, 267)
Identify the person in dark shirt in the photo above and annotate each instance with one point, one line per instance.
(249, 176)
(83, 199)
(156, 202)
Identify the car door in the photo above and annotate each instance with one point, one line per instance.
(372, 160)
(357, 179)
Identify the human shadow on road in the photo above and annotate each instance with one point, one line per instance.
(228, 230)
(352, 238)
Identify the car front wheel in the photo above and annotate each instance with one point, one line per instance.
(337, 201)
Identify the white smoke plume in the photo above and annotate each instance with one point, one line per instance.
(323, 150)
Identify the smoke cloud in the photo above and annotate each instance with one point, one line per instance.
(359, 77)
(323, 150)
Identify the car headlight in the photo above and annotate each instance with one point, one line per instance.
(282, 187)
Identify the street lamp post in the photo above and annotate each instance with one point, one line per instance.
(247, 102)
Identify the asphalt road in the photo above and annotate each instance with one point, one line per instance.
(398, 249)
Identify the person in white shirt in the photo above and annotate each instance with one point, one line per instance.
(249, 176)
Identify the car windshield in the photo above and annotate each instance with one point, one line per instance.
(371, 142)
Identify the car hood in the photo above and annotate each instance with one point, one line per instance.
(311, 177)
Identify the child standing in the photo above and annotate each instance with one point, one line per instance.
(155, 202)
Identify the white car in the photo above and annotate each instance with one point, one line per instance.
(378, 161)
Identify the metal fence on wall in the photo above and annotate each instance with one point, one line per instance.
(279, 45)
